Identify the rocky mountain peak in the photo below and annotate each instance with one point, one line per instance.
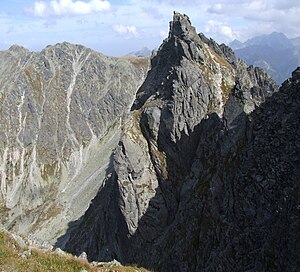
(296, 74)
(171, 130)
(181, 27)
(17, 49)
(294, 80)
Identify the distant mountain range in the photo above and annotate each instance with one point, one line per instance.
(144, 52)
(275, 53)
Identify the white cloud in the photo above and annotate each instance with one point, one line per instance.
(163, 34)
(253, 8)
(249, 18)
(123, 29)
(40, 8)
(223, 20)
(216, 8)
(69, 7)
(219, 29)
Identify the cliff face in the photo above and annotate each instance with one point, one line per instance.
(240, 208)
(205, 175)
(60, 119)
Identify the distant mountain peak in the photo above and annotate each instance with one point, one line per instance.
(18, 49)
(275, 40)
(277, 34)
(236, 44)
(144, 52)
(274, 52)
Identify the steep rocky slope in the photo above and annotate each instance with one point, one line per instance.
(206, 174)
(242, 206)
(60, 119)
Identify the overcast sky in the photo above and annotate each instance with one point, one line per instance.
(116, 27)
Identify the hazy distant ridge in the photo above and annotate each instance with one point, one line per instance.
(275, 53)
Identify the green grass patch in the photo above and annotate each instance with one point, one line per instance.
(11, 260)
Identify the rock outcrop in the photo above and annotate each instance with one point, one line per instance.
(61, 112)
(242, 206)
(205, 176)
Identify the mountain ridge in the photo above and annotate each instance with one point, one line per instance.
(59, 108)
(275, 53)
(190, 163)
(186, 155)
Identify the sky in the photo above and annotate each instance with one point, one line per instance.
(117, 27)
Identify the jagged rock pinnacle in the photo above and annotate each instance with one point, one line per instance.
(296, 74)
(181, 27)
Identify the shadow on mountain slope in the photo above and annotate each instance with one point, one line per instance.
(85, 233)
(237, 206)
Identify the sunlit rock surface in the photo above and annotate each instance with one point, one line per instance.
(61, 111)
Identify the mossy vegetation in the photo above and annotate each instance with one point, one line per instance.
(139, 62)
(221, 60)
(213, 58)
(3, 208)
(2, 98)
(49, 170)
(133, 129)
(11, 260)
(213, 105)
(161, 158)
(35, 79)
(226, 90)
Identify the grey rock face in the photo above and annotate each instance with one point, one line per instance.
(60, 118)
(243, 208)
(197, 183)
